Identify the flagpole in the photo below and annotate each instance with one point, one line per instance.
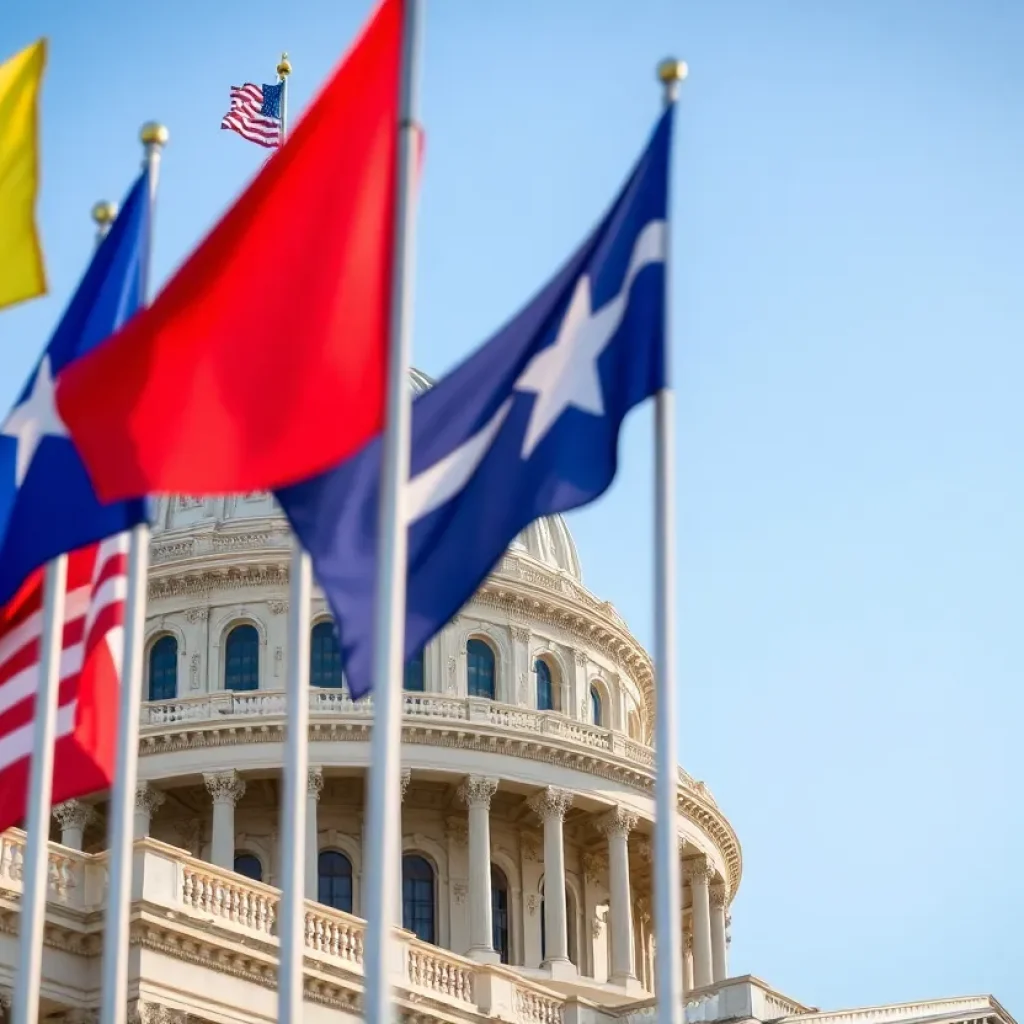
(292, 922)
(382, 844)
(114, 979)
(667, 894)
(37, 844)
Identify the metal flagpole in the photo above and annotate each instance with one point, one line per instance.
(37, 845)
(667, 894)
(382, 842)
(296, 758)
(36, 867)
(114, 980)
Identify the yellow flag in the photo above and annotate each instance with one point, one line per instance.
(22, 275)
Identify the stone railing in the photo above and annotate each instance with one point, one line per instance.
(967, 1008)
(67, 881)
(214, 707)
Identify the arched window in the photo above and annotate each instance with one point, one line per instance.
(595, 705)
(414, 673)
(418, 897)
(242, 659)
(499, 912)
(163, 669)
(248, 864)
(325, 657)
(480, 669)
(545, 687)
(334, 888)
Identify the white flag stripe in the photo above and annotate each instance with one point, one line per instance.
(17, 744)
(28, 631)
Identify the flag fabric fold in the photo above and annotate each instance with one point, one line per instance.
(526, 427)
(263, 360)
(22, 272)
(48, 507)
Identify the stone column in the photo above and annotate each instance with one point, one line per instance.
(476, 792)
(550, 806)
(226, 789)
(314, 787)
(700, 873)
(147, 800)
(73, 816)
(687, 961)
(616, 826)
(719, 961)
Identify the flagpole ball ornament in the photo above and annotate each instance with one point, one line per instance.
(153, 133)
(104, 213)
(284, 68)
(670, 73)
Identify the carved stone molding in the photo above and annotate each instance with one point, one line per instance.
(460, 891)
(530, 843)
(456, 830)
(581, 657)
(277, 607)
(195, 615)
(188, 833)
(719, 895)
(405, 780)
(595, 866)
(521, 634)
(314, 782)
(140, 1012)
(596, 926)
(551, 802)
(148, 799)
(225, 787)
(74, 814)
(688, 943)
(617, 823)
(477, 790)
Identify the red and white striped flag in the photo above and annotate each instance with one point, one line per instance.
(256, 113)
(90, 671)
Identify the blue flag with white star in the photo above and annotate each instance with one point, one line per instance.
(47, 504)
(528, 426)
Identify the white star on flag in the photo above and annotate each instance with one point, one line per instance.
(34, 419)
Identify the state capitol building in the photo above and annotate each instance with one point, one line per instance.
(528, 724)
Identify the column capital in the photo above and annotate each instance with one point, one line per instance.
(551, 803)
(225, 787)
(617, 823)
(140, 1012)
(404, 782)
(74, 814)
(314, 782)
(477, 790)
(147, 798)
(719, 895)
(698, 869)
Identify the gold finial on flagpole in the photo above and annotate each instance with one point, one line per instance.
(670, 73)
(153, 133)
(103, 213)
(284, 67)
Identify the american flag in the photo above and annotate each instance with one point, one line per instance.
(89, 677)
(256, 113)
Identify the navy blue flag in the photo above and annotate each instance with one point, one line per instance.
(47, 504)
(527, 426)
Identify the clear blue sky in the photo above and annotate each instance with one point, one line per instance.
(849, 296)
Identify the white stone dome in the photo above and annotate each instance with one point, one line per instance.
(546, 540)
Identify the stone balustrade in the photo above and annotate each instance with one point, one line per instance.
(185, 893)
(158, 716)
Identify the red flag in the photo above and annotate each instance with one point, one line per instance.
(263, 361)
(89, 677)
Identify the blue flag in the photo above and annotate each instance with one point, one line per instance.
(527, 426)
(47, 504)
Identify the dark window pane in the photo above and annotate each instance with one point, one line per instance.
(595, 706)
(418, 897)
(545, 688)
(163, 669)
(249, 865)
(334, 888)
(325, 656)
(499, 912)
(480, 669)
(414, 673)
(242, 659)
